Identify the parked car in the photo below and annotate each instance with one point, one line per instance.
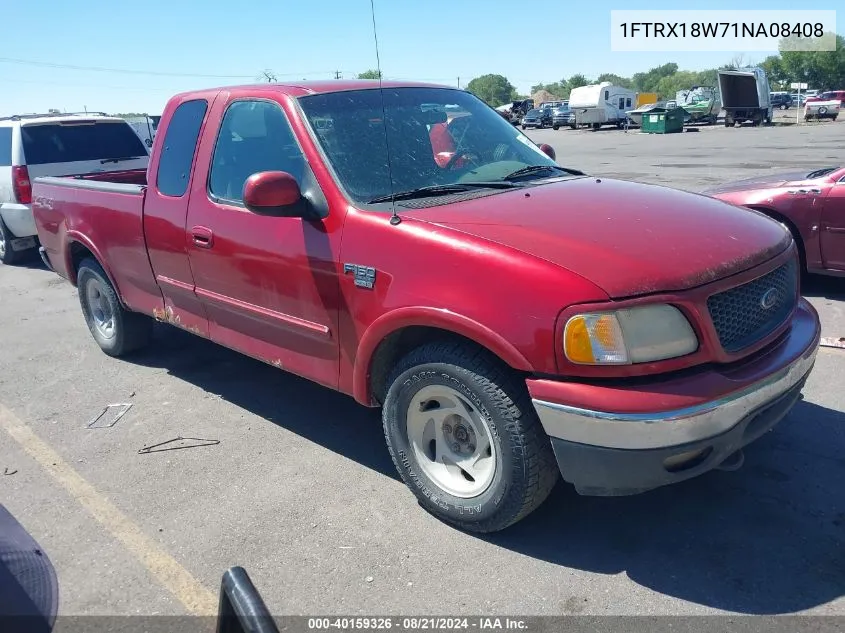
(830, 95)
(781, 100)
(35, 145)
(810, 204)
(563, 115)
(510, 316)
(798, 99)
(537, 118)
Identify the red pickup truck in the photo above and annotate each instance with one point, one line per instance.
(514, 319)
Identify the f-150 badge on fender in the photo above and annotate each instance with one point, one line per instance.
(365, 276)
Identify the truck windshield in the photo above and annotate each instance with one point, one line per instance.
(418, 138)
(70, 143)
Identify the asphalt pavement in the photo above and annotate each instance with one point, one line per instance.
(301, 492)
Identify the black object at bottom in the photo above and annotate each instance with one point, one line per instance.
(608, 472)
(241, 608)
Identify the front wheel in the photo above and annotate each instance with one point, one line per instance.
(116, 330)
(523, 127)
(465, 439)
(555, 127)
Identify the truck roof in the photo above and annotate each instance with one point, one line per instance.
(25, 119)
(302, 88)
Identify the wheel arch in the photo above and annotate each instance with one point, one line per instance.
(80, 248)
(789, 224)
(395, 334)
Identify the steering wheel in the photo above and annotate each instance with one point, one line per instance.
(471, 156)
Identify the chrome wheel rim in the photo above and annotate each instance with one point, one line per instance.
(99, 308)
(451, 441)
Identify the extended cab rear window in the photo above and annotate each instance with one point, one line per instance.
(5, 146)
(180, 144)
(77, 141)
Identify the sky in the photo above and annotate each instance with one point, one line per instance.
(149, 50)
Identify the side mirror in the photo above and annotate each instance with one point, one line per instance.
(273, 193)
(548, 150)
(149, 142)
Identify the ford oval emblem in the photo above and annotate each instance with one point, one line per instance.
(769, 298)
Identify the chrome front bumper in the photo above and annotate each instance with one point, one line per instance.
(669, 428)
(611, 453)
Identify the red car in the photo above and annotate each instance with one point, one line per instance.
(810, 204)
(515, 320)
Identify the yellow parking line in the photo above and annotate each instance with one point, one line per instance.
(188, 590)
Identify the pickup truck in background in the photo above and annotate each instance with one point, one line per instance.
(514, 319)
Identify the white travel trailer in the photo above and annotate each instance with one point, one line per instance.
(601, 104)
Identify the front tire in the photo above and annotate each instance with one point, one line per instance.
(116, 330)
(465, 439)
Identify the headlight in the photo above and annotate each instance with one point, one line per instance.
(636, 335)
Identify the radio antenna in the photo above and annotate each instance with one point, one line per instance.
(394, 219)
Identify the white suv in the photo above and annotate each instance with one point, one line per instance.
(33, 145)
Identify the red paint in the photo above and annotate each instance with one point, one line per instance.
(504, 270)
(706, 384)
(268, 191)
(813, 207)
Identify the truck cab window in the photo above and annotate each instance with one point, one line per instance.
(254, 136)
(180, 143)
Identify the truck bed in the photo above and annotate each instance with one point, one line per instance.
(98, 214)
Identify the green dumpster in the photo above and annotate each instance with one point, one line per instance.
(663, 121)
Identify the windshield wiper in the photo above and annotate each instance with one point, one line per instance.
(119, 160)
(820, 172)
(533, 169)
(442, 190)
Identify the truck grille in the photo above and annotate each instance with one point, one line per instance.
(750, 312)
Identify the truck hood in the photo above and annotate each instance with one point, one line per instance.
(769, 181)
(628, 238)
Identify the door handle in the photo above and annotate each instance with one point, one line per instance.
(202, 237)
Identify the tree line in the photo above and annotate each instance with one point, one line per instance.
(823, 70)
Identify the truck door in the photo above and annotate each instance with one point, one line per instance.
(832, 227)
(269, 284)
(166, 211)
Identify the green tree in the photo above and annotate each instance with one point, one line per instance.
(370, 74)
(775, 71)
(616, 80)
(823, 70)
(494, 89)
(576, 81)
(648, 81)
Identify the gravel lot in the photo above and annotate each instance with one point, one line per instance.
(301, 491)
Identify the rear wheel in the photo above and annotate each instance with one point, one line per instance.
(116, 330)
(555, 127)
(8, 255)
(465, 439)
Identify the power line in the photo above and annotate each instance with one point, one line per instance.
(129, 71)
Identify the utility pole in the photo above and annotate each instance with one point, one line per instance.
(337, 74)
(459, 83)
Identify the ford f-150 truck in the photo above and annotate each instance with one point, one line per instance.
(514, 319)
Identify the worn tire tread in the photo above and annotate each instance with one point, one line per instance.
(504, 387)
